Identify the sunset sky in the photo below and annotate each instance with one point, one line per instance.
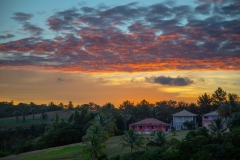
(112, 51)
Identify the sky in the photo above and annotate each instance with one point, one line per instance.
(113, 51)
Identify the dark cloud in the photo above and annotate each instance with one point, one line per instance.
(101, 80)
(22, 17)
(202, 80)
(32, 29)
(178, 81)
(63, 20)
(132, 38)
(6, 36)
(204, 8)
(60, 79)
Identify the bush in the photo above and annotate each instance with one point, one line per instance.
(117, 157)
(153, 154)
(28, 146)
(3, 154)
(119, 132)
(133, 156)
(171, 154)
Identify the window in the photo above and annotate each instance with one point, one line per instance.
(205, 117)
(152, 127)
(140, 127)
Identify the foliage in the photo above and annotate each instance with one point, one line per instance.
(157, 138)
(234, 122)
(153, 154)
(105, 121)
(133, 140)
(174, 133)
(217, 127)
(132, 156)
(219, 96)
(171, 154)
(189, 124)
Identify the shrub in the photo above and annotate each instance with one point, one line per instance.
(171, 154)
(117, 157)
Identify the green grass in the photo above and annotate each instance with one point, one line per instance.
(74, 151)
(10, 122)
(68, 152)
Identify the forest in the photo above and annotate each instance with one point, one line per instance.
(93, 124)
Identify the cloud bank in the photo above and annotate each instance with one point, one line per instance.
(131, 38)
(178, 81)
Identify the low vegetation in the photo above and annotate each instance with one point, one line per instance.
(94, 128)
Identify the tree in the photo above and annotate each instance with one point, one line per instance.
(158, 139)
(189, 124)
(132, 139)
(44, 111)
(219, 96)
(106, 121)
(94, 141)
(143, 109)
(127, 109)
(70, 105)
(230, 106)
(17, 113)
(234, 122)
(217, 127)
(205, 102)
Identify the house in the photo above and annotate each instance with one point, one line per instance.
(180, 117)
(150, 125)
(208, 117)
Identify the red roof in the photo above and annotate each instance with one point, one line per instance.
(150, 122)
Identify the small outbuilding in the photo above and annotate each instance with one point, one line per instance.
(150, 125)
(180, 117)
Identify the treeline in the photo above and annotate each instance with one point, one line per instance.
(61, 132)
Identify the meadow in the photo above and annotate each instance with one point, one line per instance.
(74, 151)
(10, 122)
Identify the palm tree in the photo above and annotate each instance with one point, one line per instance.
(217, 127)
(205, 102)
(93, 146)
(133, 140)
(231, 106)
(106, 121)
(158, 139)
(94, 141)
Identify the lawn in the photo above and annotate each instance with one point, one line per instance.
(10, 122)
(74, 151)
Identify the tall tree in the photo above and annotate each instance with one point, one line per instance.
(158, 139)
(70, 105)
(231, 106)
(143, 110)
(205, 101)
(219, 96)
(106, 121)
(127, 110)
(94, 141)
(17, 113)
(132, 139)
(217, 127)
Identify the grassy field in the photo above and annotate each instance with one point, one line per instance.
(74, 151)
(10, 122)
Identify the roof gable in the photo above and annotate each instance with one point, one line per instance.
(184, 113)
(214, 113)
(150, 121)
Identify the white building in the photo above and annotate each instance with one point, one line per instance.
(180, 117)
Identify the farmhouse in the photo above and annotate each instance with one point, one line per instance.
(180, 117)
(150, 125)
